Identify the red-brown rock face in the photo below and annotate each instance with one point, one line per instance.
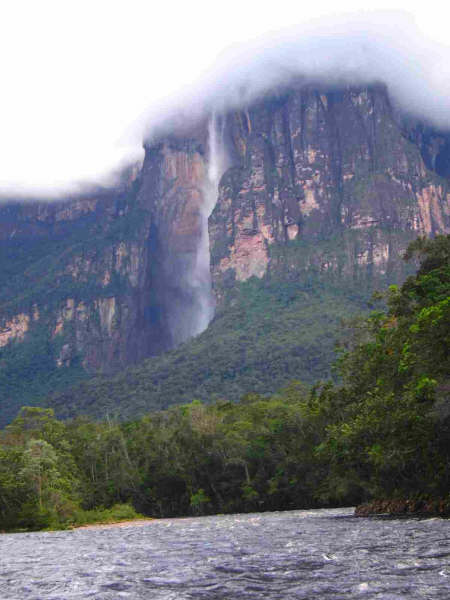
(119, 284)
(172, 191)
(315, 165)
(329, 181)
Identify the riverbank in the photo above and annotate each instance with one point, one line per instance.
(134, 522)
(428, 507)
(117, 515)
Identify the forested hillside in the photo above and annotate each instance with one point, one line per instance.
(383, 432)
(274, 331)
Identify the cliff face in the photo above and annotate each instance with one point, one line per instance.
(172, 190)
(55, 278)
(104, 278)
(323, 186)
(314, 165)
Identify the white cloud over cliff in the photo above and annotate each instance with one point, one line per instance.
(349, 50)
(84, 82)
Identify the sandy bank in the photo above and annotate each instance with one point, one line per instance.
(116, 524)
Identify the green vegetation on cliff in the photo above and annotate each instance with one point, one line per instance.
(29, 374)
(36, 281)
(383, 432)
(268, 332)
(271, 333)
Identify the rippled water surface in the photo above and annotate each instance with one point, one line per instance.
(299, 554)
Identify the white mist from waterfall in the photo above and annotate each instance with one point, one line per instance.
(201, 276)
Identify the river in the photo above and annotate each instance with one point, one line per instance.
(324, 554)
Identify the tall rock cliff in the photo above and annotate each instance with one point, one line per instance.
(322, 192)
(106, 273)
(315, 165)
(95, 283)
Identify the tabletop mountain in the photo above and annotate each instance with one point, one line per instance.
(106, 299)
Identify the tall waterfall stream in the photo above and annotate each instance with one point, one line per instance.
(201, 276)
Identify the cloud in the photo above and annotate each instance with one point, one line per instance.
(62, 134)
(357, 49)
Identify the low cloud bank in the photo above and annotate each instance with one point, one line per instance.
(357, 49)
(353, 50)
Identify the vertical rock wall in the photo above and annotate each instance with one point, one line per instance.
(120, 287)
(312, 165)
(172, 190)
(327, 181)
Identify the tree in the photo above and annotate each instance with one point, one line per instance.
(40, 470)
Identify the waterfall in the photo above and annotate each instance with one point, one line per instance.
(185, 287)
(217, 164)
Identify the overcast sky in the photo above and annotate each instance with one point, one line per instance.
(78, 75)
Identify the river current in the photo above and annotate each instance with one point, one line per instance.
(325, 554)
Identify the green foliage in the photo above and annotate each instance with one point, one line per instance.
(115, 514)
(35, 275)
(28, 373)
(383, 432)
(39, 475)
(42, 486)
(267, 332)
(198, 500)
(394, 435)
(272, 333)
